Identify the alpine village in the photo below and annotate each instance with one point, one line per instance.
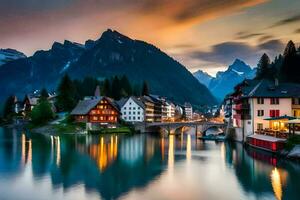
(261, 112)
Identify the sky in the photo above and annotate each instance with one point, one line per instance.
(201, 34)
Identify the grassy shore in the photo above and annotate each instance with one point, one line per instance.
(118, 130)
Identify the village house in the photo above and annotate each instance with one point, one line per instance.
(262, 107)
(188, 111)
(96, 111)
(31, 100)
(132, 109)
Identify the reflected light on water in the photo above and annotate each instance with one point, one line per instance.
(276, 183)
(171, 152)
(57, 144)
(188, 148)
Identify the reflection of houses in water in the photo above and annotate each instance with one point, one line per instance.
(132, 149)
(255, 171)
(105, 152)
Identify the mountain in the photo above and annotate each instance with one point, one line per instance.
(203, 77)
(112, 54)
(7, 55)
(225, 81)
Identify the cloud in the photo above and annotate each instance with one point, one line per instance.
(225, 53)
(297, 31)
(265, 38)
(247, 35)
(41, 22)
(286, 21)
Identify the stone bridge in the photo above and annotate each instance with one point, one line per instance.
(170, 127)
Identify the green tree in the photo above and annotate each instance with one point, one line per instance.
(44, 94)
(127, 89)
(290, 68)
(145, 89)
(106, 88)
(9, 107)
(290, 49)
(263, 67)
(66, 94)
(42, 113)
(116, 88)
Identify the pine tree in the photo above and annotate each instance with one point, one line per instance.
(127, 89)
(290, 49)
(44, 94)
(116, 88)
(106, 88)
(66, 97)
(9, 107)
(290, 68)
(145, 89)
(263, 67)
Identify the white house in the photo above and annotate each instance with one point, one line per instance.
(132, 110)
(260, 105)
(188, 110)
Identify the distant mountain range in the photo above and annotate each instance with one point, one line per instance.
(112, 54)
(225, 81)
(7, 55)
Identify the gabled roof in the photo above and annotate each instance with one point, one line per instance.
(83, 107)
(138, 102)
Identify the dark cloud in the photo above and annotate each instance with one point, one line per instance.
(297, 31)
(271, 45)
(225, 53)
(247, 35)
(286, 21)
(265, 38)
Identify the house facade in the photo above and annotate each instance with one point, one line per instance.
(261, 105)
(98, 110)
(133, 110)
(188, 110)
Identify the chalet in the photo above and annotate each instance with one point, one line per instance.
(97, 111)
(132, 109)
(263, 107)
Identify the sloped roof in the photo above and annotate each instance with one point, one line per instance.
(83, 107)
(121, 102)
(267, 88)
(138, 102)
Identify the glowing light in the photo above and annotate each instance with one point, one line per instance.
(188, 148)
(276, 183)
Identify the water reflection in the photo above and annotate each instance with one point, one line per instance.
(116, 166)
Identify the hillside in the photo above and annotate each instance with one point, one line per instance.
(112, 54)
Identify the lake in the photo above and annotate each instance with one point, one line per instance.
(142, 166)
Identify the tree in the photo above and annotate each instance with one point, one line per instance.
(9, 107)
(116, 88)
(66, 94)
(290, 49)
(127, 89)
(145, 89)
(42, 113)
(106, 88)
(44, 94)
(263, 67)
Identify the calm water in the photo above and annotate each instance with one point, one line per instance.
(138, 167)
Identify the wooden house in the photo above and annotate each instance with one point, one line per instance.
(97, 110)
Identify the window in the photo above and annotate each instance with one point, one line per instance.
(260, 100)
(129, 118)
(274, 101)
(133, 113)
(125, 118)
(129, 108)
(138, 112)
(133, 108)
(124, 113)
(274, 113)
(139, 118)
(139, 108)
(129, 113)
(133, 118)
(260, 126)
(129, 103)
(260, 113)
(124, 108)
